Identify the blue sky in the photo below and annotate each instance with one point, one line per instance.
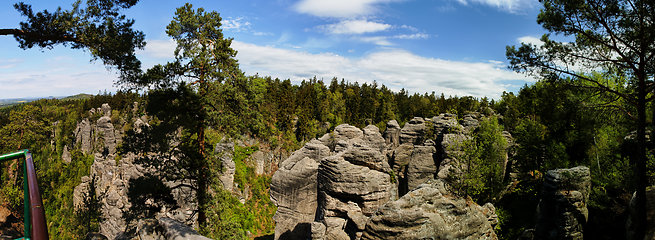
(455, 47)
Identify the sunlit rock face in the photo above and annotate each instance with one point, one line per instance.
(356, 183)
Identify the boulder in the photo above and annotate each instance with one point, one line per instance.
(432, 212)
(413, 131)
(562, 211)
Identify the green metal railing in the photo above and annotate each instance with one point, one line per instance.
(33, 212)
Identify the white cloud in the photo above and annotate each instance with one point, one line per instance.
(394, 68)
(412, 36)
(57, 79)
(354, 27)
(236, 24)
(507, 5)
(377, 40)
(531, 40)
(339, 8)
(162, 49)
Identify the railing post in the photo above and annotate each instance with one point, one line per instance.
(26, 203)
(39, 228)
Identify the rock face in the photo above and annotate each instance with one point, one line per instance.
(66, 155)
(225, 150)
(562, 211)
(431, 212)
(166, 229)
(392, 134)
(353, 184)
(294, 190)
(335, 187)
(413, 131)
(110, 178)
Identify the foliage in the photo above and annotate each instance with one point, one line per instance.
(481, 159)
(97, 27)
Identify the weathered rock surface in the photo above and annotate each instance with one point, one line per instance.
(294, 190)
(225, 151)
(66, 155)
(562, 211)
(413, 131)
(110, 178)
(334, 186)
(353, 184)
(431, 212)
(83, 136)
(451, 149)
(166, 229)
(392, 134)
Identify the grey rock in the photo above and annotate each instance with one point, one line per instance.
(294, 191)
(471, 121)
(373, 138)
(95, 236)
(562, 211)
(421, 167)
(175, 230)
(225, 151)
(430, 212)
(106, 135)
(66, 155)
(413, 131)
(83, 136)
(451, 150)
(392, 134)
(106, 110)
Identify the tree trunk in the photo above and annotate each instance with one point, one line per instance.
(640, 161)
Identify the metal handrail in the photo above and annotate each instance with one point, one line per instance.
(34, 214)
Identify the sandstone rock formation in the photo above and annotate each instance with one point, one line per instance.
(225, 151)
(334, 186)
(432, 212)
(562, 211)
(294, 191)
(111, 174)
(166, 229)
(413, 131)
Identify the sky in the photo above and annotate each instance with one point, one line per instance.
(454, 47)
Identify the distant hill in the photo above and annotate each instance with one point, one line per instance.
(77, 97)
(15, 101)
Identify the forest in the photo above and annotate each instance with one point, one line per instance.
(187, 108)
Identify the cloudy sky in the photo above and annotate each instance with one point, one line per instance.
(455, 47)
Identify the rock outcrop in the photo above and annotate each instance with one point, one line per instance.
(166, 229)
(225, 151)
(335, 187)
(562, 211)
(432, 212)
(111, 176)
(413, 131)
(294, 189)
(353, 184)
